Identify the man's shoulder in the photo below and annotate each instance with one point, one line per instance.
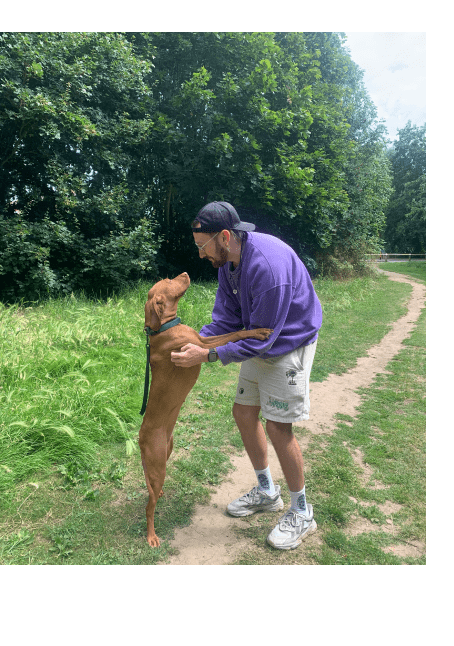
(268, 247)
(269, 262)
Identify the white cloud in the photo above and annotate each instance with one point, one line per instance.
(394, 65)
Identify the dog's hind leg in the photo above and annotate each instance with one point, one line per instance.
(154, 459)
(156, 433)
(169, 433)
(169, 446)
(169, 451)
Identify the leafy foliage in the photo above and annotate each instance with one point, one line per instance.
(70, 124)
(406, 214)
(358, 220)
(274, 123)
(113, 141)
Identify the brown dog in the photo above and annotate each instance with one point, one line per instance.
(170, 383)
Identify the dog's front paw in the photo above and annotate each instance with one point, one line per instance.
(153, 540)
(263, 333)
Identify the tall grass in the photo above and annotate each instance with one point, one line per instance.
(71, 378)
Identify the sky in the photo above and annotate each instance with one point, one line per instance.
(395, 74)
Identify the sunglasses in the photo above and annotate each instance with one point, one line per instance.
(200, 247)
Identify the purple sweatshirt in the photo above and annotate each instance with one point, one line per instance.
(270, 288)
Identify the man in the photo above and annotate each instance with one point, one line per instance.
(262, 283)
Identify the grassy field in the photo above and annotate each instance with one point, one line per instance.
(414, 268)
(71, 483)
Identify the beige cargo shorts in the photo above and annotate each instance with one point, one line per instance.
(280, 385)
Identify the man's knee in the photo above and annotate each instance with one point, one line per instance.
(278, 429)
(242, 413)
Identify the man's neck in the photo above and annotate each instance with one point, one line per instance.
(235, 253)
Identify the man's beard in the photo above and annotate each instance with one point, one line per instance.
(222, 256)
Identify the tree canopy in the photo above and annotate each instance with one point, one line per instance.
(111, 143)
(406, 212)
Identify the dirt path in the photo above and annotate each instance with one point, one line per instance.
(210, 539)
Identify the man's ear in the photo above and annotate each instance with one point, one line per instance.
(227, 235)
(157, 307)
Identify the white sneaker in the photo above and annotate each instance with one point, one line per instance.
(254, 501)
(291, 529)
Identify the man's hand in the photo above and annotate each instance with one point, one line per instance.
(190, 355)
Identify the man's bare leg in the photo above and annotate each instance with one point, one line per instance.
(289, 453)
(284, 442)
(252, 434)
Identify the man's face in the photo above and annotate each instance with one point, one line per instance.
(212, 248)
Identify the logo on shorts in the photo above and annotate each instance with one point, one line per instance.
(277, 404)
(241, 391)
(290, 374)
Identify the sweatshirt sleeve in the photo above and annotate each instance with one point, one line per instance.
(269, 310)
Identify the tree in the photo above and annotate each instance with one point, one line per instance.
(406, 214)
(225, 128)
(260, 120)
(72, 114)
(355, 222)
(112, 143)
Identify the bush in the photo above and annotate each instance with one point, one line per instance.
(342, 263)
(42, 259)
(116, 261)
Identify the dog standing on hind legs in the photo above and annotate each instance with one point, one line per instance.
(170, 384)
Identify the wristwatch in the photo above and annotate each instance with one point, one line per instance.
(212, 355)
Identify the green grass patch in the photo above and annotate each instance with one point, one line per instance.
(96, 515)
(71, 482)
(414, 268)
(356, 315)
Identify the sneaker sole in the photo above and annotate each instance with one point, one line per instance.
(278, 506)
(312, 528)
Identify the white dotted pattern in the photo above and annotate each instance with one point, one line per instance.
(48, 610)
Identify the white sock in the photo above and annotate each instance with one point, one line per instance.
(299, 501)
(265, 481)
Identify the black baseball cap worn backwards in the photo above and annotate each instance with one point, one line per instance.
(217, 216)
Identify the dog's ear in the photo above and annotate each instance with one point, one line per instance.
(157, 307)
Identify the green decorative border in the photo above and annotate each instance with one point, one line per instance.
(267, 605)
